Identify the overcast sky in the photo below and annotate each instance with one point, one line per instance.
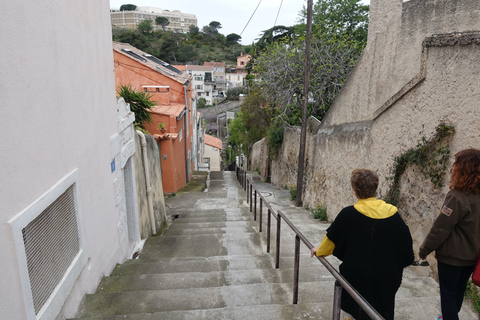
(232, 14)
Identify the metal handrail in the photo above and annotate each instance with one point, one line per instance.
(340, 280)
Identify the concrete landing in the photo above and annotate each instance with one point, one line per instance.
(212, 263)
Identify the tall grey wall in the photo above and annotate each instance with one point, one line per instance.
(420, 67)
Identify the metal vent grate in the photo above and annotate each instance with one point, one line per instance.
(51, 243)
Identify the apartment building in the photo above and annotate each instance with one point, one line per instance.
(235, 76)
(208, 80)
(130, 19)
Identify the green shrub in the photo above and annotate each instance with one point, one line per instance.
(293, 192)
(201, 103)
(320, 211)
(472, 295)
(234, 93)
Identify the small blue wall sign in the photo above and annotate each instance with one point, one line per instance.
(112, 165)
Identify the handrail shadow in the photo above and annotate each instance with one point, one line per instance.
(340, 282)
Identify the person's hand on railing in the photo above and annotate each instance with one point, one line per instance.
(313, 251)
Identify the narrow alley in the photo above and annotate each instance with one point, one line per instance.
(211, 263)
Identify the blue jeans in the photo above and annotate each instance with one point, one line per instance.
(453, 282)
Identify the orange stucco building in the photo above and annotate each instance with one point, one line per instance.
(171, 89)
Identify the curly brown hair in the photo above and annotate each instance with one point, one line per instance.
(466, 171)
(364, 182)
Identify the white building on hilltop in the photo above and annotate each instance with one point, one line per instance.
(130, 19)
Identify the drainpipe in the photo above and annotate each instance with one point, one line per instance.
(185, 124)
(147, 180)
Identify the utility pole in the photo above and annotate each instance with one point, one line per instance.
(306, 83)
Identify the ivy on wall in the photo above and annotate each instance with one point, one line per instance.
(430, 155)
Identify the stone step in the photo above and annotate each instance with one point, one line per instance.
(319, 311)
(185, 280)
(123, 303)
(255, 295)
(149, 265)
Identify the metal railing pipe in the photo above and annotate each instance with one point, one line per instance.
(269, 222)
(337, 301)
(250, 197)
(260, 215)
(255, 206)
(277, 254)
(296, 269)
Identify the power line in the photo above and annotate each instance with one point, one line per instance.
(278, 13)
(251, 17)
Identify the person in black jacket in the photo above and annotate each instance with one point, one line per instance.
(373, 243)
(455, 233)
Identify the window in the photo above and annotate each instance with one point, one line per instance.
(133, 54)
(206, 160)
(208, 94)
(162, 63)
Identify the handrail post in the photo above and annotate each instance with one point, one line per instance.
(255, 207)
(296, 269)
(269, 221)
(245, 174)
(337, 299)
(277, 255)
(242, 178)
(250, 197)
(260, 218)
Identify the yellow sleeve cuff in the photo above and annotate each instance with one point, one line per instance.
(325, 248)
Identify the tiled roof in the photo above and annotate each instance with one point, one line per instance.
(214, 64)
(174, 109)
(212, 141)
(164, 69)
(180, 67)
(198, 68)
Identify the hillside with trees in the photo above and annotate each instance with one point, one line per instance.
(194, 47)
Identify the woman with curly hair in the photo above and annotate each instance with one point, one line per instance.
(455, 233)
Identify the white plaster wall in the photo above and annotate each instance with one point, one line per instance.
(57, 114)
(214, 155)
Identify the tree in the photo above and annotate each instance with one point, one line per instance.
(252, 121)
(275, 34)
(345, 16)
(162, 21)
(232, 39)
(193, 30)
(128, 7)
(145, 26)
(215, 25)
(140, 104)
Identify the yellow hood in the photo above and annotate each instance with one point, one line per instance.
(374, 208)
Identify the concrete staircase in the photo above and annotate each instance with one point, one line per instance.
(212, 264)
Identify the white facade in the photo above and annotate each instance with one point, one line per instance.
(214, 158)
(203, 90)
(130, 19)
(60, 136)
(235, 79)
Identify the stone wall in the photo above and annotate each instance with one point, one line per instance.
(420, 67)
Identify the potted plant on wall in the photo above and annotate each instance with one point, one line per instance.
(162, 127)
